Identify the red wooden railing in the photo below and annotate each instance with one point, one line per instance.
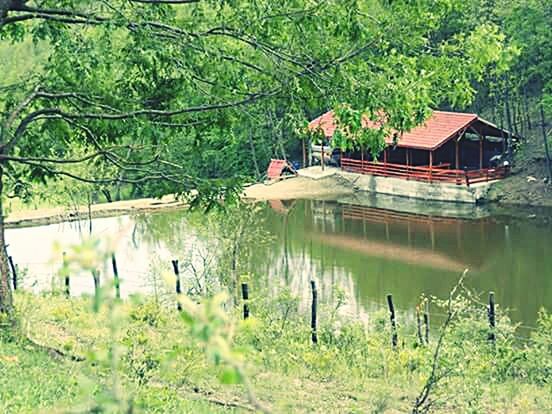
(428, 174)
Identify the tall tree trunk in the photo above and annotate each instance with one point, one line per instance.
(6, 300)
(545, 138)
(508, 118)
(254, 155)
(118, 188)
(526, 110)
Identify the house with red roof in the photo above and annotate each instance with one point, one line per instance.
(449, 147)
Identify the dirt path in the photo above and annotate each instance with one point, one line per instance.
(299, 187)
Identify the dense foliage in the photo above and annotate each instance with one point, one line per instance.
(215, 88)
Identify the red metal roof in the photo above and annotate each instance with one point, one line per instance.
(436, 130)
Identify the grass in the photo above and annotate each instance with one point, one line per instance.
(162, 367)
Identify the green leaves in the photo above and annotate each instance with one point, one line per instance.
(250, 71)
(209, 324)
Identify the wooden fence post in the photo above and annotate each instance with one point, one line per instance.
(96, 276)
(67, 287)
(491, 316)
(426, 322)
(245, 296)
(116, 277)
(314, 335)
(14, 272)
(178, 287)
(66, 279)
(394, 338)
(419, 325)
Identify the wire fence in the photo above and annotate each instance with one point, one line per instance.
(45, 274)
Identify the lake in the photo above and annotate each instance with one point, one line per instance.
(365, 250)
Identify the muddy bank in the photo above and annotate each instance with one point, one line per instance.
(300, 187)
(292, 188)
(46, 216)
(504, 203)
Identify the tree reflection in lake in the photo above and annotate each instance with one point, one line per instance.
(366, 251)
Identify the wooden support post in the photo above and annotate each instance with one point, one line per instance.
(96, 277)
(394, 338)
(178, 287)
(309, 152)
(426, 322)
(304, 153)
(407, 163)
(457, 154)
(322, 156)
(245, 297)
(430, 166)
(492, 321)
(480, 152)
(314, 335)
(385, 156)
(116, 277)
(14, 272)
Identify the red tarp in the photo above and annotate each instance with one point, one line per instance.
(276, 168)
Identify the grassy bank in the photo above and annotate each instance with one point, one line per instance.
(142, 354)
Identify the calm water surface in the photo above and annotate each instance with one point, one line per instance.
(366, 251)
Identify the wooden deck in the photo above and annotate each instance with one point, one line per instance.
(438, 174)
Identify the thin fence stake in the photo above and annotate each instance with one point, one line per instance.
(314, 334)
(66, 278)
(394, 338)
(426, 322)
(178, 287)
(67, 287)
(96, 276)
(492, 320)
(14, 272)
(419, 325)
(116, 277)
(245, 296)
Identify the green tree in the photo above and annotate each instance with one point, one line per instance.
(172, 94)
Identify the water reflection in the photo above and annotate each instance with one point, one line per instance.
(372, 252)
(365, 250)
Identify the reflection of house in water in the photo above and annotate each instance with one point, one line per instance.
(432, 240)
(369, 251)
(462, 241)
(415, 223)
(281, 206)
(323, 214)
(339, 245)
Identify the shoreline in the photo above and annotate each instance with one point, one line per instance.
(54, 215)
(330, 188)
(294, 188)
